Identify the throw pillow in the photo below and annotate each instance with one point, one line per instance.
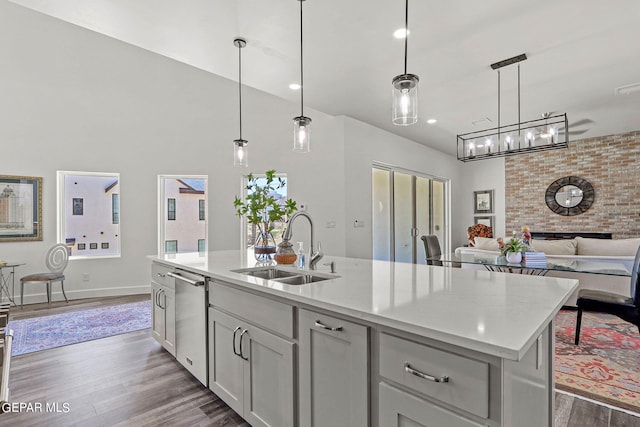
(555, 247)
(486, 244)
(606, 247)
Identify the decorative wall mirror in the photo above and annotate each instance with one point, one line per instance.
(570, 196)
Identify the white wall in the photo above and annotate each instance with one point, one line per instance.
(365, 145)
(484, 175)
(76, 100)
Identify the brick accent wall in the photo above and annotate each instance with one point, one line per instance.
(610, 163)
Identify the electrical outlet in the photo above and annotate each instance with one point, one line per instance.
(85, 277)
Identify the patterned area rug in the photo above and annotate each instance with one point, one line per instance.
(41, 333)
(605, 366)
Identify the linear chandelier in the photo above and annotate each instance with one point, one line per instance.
(550, 132)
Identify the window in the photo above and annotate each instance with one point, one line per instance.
(171, 209)
(78, 208)
(81, 229)
(187, 194)
(201, 210)
(171, 247)
(115, 208)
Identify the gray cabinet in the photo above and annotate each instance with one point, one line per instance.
(163, 315)
(333, 369)
(251, 370)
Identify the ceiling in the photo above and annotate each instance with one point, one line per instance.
(579, 52)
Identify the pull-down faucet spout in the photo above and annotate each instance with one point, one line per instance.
(315, 255)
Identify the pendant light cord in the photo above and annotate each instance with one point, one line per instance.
(406, 33)
(301, 66)
(240, 86)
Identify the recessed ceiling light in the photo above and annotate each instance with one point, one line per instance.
(431, 121)
(294, 86)
(401, 33)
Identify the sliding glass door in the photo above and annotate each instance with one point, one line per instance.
(406, 206)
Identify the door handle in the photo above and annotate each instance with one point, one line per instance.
(410, 370)
(328, 328)
(234, 340)
(241, 335)
(184, 279)
(162, 306)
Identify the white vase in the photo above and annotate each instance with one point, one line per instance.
(514, 257)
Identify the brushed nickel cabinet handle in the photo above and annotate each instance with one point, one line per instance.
(161, 275)
(409, 369)
(328, 328)
(241, 354)
(235, 331)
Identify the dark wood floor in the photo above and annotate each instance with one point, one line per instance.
(129, 380)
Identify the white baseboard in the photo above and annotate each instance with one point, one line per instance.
(82, 293)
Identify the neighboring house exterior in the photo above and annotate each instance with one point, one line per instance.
(185, 215)
(92, 211)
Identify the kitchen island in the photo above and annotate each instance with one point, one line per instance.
(376, 343)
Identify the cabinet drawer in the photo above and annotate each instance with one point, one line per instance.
(159, 275)
(398, 408)
(468, 380)
(265, 312)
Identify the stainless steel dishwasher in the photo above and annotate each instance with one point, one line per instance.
(191, 322)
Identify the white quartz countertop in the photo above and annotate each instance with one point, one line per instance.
(495, 313)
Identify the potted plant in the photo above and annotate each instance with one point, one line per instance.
(513, 249)
(264, 209)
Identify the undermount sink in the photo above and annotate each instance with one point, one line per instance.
(268, 273)
(285, 276)
(301, 280)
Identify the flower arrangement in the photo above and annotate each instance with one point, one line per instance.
(263, 209)
(513, 245)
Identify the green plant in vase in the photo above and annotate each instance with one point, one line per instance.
(264, 209)
(513, 249)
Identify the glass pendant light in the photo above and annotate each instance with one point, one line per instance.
(405, 87)
(301, 124)
(240, 152)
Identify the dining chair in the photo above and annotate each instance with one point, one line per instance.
(626, 308)
(56, 260)
(431, 248)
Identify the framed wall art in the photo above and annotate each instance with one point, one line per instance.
(20, 208)
(483, 202)
(484, 220)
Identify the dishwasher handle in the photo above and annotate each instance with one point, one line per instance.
(184, 279)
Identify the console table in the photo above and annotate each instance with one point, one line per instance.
(6, 277)
(556, 235)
